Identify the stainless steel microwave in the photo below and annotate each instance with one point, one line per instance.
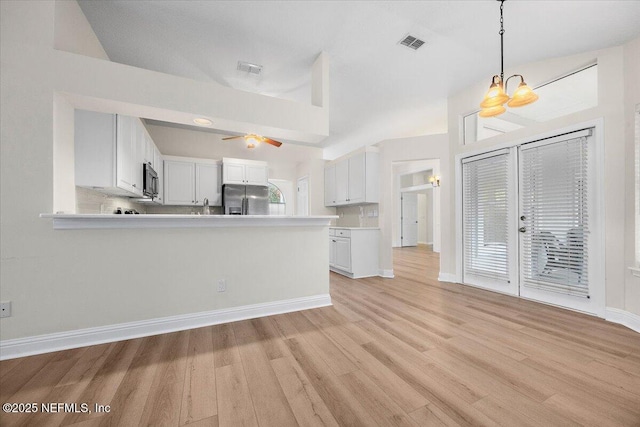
(150, 181)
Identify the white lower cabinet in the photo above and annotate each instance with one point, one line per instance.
(353, 252)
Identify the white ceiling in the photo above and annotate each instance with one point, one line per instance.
(379, 89)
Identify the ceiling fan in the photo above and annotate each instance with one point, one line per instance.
(252, 139)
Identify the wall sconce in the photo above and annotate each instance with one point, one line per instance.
(434, 180)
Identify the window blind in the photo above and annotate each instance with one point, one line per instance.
(485, 218)
(554, 209)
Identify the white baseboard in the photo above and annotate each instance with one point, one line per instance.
(387, 274)
(20, 347)
(630, 320)
(446, 277)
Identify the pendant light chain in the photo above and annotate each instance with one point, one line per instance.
(496, 97)
(501, 42)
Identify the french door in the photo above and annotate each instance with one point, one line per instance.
(528, 214)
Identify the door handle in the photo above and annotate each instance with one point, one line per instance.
(522, 229)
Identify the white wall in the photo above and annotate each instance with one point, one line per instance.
(611, 91)
(73, 33)
(66, 280)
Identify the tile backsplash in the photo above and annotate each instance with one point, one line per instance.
(181, 210)
(357, 216)
(93, 202)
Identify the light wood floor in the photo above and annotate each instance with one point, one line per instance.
(404, 352)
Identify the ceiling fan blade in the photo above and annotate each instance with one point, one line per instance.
(272, 142)
(232, 137)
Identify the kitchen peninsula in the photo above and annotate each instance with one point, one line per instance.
(176, 272)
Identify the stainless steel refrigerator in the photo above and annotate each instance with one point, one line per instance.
(245, 199)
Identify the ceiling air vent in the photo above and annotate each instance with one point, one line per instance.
(411, 42)
(249, 67)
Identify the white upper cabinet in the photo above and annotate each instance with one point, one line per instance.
(208, 184)
(179, 183)
(256, 174)
(352, 180)
(246, 172)
(158, 166)
(233, 173)
(189, 181)
(108, 151)
(125, 153)
(330, 185)
(357, 178)
(342, 182)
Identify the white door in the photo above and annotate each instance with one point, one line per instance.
(409, 219)
(488, 210)
(556, 222)
(208, 184)
(179, 182)
(302, 202)
(530, 226)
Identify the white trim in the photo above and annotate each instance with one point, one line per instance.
(635, 271)
(387, 274)
(630, 320)
(20, 347)
(446, 277)
(98, 221)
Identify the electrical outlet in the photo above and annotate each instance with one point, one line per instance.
(5, 309)
(222, 285)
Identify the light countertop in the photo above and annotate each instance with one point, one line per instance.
(86, 221)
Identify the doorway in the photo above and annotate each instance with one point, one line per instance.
(413, 178)
(528, 214)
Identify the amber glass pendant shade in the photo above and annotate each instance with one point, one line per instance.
(523, 95)
(495, 95)
(492, 111)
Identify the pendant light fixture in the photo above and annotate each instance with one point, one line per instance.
(493, 102)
